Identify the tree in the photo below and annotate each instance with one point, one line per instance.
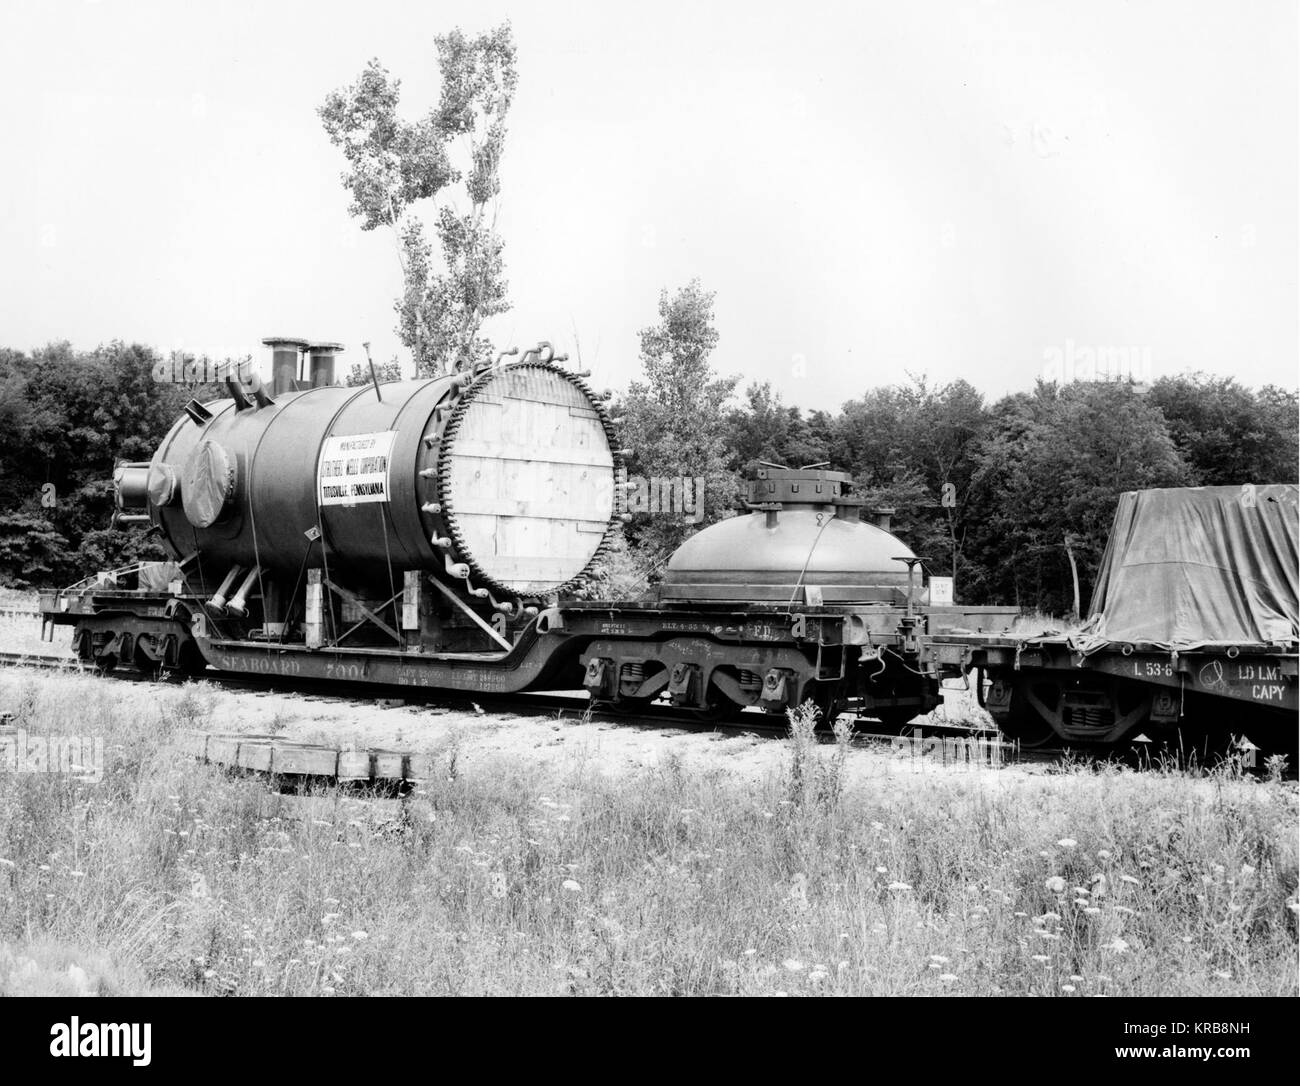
(386, 372)
(30, 549)
(764, 430)
(947, 424)
(394, 164)
(1049, 473)
(1229, 434)
(67, 417)
(911, 447)
(761, 430)
(672, 418)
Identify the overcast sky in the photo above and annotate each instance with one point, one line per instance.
(976, 190)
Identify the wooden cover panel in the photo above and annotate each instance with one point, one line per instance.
(531, 479)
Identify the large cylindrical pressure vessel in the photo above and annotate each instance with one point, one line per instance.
(507, 477)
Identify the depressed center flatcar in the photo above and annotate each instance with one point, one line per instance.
(425, 533)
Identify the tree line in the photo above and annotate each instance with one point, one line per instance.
(1001, 495)
(1013, 498)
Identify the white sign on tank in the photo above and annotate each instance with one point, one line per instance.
(353, 468)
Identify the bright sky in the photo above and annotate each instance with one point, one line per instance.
(977, 190)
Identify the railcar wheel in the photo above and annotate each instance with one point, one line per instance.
(1025, 725)
(146, 665)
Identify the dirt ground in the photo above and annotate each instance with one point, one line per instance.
(558, 740)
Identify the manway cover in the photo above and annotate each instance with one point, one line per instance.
(1199, 566)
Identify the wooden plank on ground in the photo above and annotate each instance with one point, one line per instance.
(223, 749)
(388, 765)
(354, 765)
(313, 761)
(282, 757)
(419, 767)
(254, 755)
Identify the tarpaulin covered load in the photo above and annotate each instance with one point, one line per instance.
(1199, 566)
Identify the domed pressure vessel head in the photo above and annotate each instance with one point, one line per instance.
(803, 533)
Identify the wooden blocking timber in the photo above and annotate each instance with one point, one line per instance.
(254, 756)
(275, 757)
(304, 760)
(388, 765)
(372, 765)
(411, 600)
(314, 624)
(223, 749)
(419, 768)
(354, 765)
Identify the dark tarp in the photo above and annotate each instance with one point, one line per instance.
(1197, 566)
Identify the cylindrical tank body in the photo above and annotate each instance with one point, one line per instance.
(509, 474)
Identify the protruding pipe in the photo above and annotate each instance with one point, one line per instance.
(881, 517)
(374, 377)
(200, 414)
(218, 602)
(131, 486)
(239, 604)
(284, 362)
(320, 363)
(258, 390)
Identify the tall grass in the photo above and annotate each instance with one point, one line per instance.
(503, 877)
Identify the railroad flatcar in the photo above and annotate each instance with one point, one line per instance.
(1191, 638)
(428, 533)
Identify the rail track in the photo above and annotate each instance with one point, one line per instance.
(923, 741)
(927, 738)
